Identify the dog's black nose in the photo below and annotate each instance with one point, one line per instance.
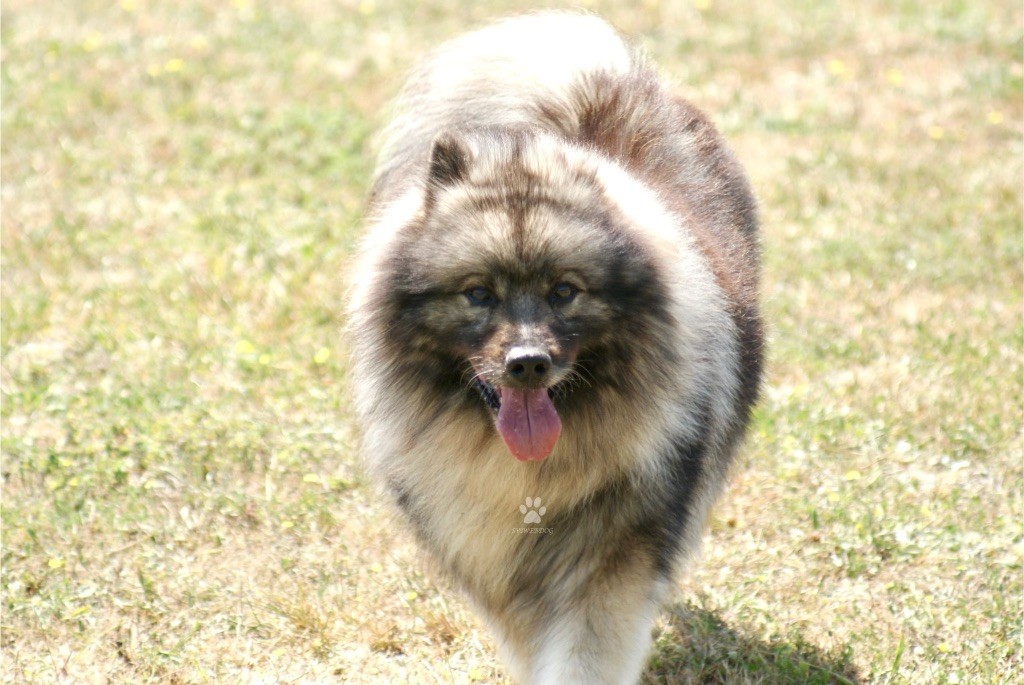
(528, 366)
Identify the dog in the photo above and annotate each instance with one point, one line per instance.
(555, 313)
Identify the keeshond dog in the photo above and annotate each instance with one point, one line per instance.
(555, 314)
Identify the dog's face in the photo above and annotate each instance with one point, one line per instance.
(517, 283)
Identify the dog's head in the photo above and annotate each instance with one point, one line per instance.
(517, 286)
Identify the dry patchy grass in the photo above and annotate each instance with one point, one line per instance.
(182, 501)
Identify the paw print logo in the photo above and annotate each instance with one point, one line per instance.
(532, 509)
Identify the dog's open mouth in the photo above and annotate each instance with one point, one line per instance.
(526, 418)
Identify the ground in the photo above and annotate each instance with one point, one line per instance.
(183, 501)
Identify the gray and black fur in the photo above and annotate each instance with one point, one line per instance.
(537, 157)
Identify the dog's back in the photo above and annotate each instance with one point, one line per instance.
(495, 77)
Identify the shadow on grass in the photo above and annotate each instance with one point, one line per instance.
(698, 647)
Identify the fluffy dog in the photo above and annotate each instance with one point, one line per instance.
(555, 314)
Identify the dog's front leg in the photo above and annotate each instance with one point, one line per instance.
(601, 639)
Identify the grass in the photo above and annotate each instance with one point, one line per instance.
(182, 498)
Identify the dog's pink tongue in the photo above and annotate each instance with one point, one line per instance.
(528, 423)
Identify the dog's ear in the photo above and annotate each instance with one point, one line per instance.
(450, 158)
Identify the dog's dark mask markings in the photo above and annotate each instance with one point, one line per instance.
(520, 300)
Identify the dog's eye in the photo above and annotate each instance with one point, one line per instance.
(479, 296)
(563, 293)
